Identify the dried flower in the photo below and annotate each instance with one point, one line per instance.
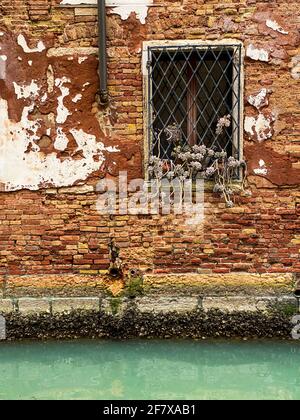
(210, 171)
(173, 133)
(229, 204)
(232, 162)
(223, 123)
(170, 175)
(196, 165)
(199, 149)
(218, 188)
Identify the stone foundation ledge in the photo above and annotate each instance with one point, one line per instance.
(237, 283)
(190, 317)
(183, 284)
(118, 306)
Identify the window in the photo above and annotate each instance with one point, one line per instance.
(188, 89)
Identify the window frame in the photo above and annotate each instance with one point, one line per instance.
(239, 53)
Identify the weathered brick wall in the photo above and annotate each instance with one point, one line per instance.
(55, 227)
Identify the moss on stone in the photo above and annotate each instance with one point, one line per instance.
(115, 304)
(134, 287)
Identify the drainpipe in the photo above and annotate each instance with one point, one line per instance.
(102, 53)
(297, 295)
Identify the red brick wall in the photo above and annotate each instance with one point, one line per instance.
(56, 230)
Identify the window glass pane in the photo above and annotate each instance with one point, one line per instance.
(190, 90)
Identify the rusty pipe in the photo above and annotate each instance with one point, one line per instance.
(103, 91)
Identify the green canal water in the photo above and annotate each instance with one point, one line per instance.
(150, 370)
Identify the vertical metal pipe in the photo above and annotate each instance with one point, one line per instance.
(102, 52)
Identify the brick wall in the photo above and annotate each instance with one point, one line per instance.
(55, 227)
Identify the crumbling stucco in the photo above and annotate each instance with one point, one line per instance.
(37, 123)
(124, 8)
(272, 24)
(260, 99)
(23, 43)
(295, 67)
(31, 170)
(261, 170)
(257, 54)
(260, 128)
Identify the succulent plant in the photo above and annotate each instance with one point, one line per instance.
(199, 160)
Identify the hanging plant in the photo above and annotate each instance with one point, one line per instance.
(191, 162)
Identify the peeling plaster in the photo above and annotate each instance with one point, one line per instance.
(26, 91)
(82, 59)
(272, 24)
(295, 71)
(41, 144)
(61, 141)
(34, 169)
(2, 67)
(280, 170)
(62, 111)
(121, 7)
(262, 170)
(77, 98)
(44, 97)
(23, 43)
(259, 127)
(257, 54)
(260, 100)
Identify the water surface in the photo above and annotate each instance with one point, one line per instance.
(150, 370)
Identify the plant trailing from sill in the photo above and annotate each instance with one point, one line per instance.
(191, 162)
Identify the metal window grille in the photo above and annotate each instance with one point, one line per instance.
(189, 90)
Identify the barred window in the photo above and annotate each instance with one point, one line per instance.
(189, 89)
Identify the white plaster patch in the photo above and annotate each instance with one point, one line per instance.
(2, 68)
(295, 71)
(26, 91)
(35, 169)
(272, 24)
(62, 111)
(257, 54)
(121, 7)
(23, 43)
(30, 63)
(262, 170)
(1, 33)
(44, 97)
(85, 85)
(139, 8)
(77, 98)
(61, 141)
(259, 127)
(260, 100)
(3, 57)
(82, 59)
